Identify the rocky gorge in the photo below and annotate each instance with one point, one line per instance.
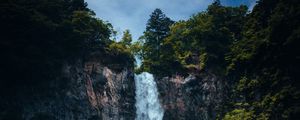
(96, 92)
(232, 60)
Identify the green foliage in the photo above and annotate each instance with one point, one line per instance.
(239, 114)
(193, 45)
(122, 53)
(246, 84)
(258, 52)
(121, 56)
(38, 36)
(127, 38)
(267, 62)
(157, 29)
(118, 49)
(136, 48)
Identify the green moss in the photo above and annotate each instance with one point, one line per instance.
(239, 114)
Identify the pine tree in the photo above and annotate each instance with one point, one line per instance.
(157, 29)
(127, 38)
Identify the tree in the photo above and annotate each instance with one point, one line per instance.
(127, 38)
(38, 36)
(157, 29)
(265, 61)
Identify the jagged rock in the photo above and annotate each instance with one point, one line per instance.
(191, 98)
(91, 91)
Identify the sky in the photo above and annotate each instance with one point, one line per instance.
(133, 14)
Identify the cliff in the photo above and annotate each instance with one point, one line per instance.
(85, 90)
(196, 97)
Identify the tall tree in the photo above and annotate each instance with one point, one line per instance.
(157, 29)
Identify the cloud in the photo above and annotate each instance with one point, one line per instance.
(133, 14)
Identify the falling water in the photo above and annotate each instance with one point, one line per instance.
(147, 103)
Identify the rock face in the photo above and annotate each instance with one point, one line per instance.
(191, 98)
(92, 92)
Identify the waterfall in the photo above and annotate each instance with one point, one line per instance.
(147, 102)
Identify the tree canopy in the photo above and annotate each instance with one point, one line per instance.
(257, 52)
(157, 28)
(38, 36)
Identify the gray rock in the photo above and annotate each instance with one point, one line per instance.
(92, 92)
(191, 98)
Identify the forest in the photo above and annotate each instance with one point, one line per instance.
(256, 52)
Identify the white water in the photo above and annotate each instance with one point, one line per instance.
(147, 102)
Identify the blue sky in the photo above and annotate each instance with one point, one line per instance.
(133, 14)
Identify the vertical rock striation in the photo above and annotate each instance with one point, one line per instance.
(196, 97)
(90, 91)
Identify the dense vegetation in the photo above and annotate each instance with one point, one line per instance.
(200, 42)
(157, 29)
(38, 36)
(256, 52)
(264, 63)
